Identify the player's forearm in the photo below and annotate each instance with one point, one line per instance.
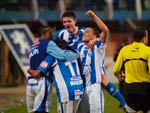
(59, 54)
(34, 73)
(99, 23)
(102, 26)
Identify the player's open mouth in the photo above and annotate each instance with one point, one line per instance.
(67, 27)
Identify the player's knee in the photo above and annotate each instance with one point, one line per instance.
(104, 80)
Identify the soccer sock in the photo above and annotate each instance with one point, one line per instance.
(113, 90)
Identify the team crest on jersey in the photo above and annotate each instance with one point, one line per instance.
(44, 64)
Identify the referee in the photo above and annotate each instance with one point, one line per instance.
(135, 58)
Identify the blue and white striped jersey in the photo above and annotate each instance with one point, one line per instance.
(70, 38)
(67, 78)
(92, 61)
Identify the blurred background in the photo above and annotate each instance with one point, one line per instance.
(121, 16)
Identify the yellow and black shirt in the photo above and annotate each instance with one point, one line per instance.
(136, 60)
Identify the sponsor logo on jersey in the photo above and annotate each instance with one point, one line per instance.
(44, 64)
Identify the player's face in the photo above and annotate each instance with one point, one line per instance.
(88, 35)
(69, 23)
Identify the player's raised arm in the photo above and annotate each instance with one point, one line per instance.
(105, 31)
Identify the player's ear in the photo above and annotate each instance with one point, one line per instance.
(75, 20)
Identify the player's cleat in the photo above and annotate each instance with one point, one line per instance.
(128, 109)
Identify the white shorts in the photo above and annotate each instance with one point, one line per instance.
(68, 107)
(96, 98)
(38, 95)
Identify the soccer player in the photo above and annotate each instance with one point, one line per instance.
(37, 53)
(67, 79)
(38, 94)
(135, 58)
(93, 65)
(92, 60)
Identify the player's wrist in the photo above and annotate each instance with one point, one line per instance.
(92, 15)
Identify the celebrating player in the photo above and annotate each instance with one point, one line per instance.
(67, 79)
(38, 95)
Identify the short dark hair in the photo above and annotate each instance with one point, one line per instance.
(61, 43)
(69, 14)
(43, 29)
(139, 33)
(64, 45)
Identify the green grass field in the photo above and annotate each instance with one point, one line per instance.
(111, 106)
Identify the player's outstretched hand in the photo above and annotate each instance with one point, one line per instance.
(90, 13)
(91, 44)
(34, 73)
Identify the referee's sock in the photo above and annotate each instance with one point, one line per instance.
(113, 90)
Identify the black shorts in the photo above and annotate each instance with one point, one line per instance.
(137, 96)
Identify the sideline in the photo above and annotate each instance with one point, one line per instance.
(12, 96)
(13, 90)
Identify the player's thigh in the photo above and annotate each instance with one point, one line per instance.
(30, 93)
(43, 94)
(49, 96)
(96, 100)
(30, 102)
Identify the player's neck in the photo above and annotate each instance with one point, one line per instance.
(74, 31)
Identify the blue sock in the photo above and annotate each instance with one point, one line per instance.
(113, 90)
